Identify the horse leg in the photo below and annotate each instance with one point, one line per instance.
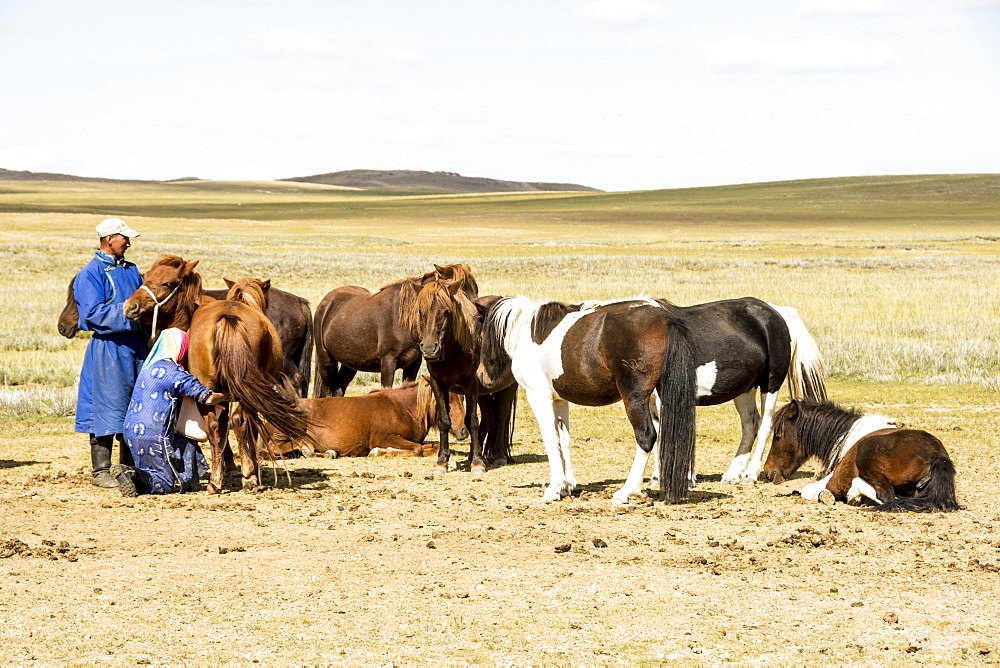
(410, 372)
(326, 369)
(746, 406)
(387, 370)
(341, 379)
(248, 462)
(543, 406)
(644, 426)
(768, 401)
(477, 464)
(213, 423)
(397, 446)
(813, 490)
(877, 489)
(443, 398)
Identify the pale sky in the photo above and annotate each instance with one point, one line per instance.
(614, 94)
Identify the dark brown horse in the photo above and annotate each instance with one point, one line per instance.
(447, 322)
(290, 314)
(388, 421)
(358, 330)
(235, 349)
(863, 457)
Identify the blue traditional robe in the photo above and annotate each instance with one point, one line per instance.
(165, 461)
(115, 351)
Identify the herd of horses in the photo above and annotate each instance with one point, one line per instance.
(255, 343)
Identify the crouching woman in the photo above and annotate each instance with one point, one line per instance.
(165, 461)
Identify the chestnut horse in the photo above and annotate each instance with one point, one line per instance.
(862, 457)
(289, 313)
(234, 349)
(358, 330)
(387, 421)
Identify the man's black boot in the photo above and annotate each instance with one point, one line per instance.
(100, 460)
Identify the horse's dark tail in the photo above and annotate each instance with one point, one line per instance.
(937, 492)
(677, 414)
(305, 358)
(241, 375)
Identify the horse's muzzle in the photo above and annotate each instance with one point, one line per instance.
(432, 352)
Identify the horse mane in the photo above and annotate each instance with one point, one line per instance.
(460, 273)
(464, 315)
(547, 316)
(190, 285)
(821, 428)
(426, 411)
(248, 291)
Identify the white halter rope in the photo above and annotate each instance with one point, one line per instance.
(158, 304)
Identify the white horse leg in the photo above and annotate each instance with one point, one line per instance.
(746, 406)
(768, 402)
(561, 410)
(633, 484)
(859, 490)
(654, 410)
(544, 410)
(812, 491)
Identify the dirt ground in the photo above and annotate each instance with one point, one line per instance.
(376, 562)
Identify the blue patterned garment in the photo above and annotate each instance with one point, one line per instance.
(165, 461)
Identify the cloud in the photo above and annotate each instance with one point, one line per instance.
(287, 41)
(811, 55)
(621, 13)
(845, 7)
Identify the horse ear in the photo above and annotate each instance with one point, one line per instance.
(452, 287)
(229, 283)
(188, 268)
(793, 410)
(264, 285)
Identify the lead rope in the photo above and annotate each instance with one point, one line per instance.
(158, 304)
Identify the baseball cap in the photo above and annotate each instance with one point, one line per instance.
(110, 226)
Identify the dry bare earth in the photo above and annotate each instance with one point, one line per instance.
(374, 561)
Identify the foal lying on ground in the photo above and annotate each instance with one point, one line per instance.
(862, 457)
(391, 421)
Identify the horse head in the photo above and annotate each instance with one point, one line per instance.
(494, 361)
(250, 291)
(443, 314)
(787, 452)
(170, 284)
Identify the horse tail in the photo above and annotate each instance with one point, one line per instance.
(677, 413)
(305, 358)
(806, 371)
(239, 372)
(936, 490)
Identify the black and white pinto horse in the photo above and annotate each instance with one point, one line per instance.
(645, 351)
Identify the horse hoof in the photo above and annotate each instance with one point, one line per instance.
(249, 486)
(826, 497)
(477, 470)
(440, 470)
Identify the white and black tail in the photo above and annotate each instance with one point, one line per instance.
(806, 372)
(677, 414)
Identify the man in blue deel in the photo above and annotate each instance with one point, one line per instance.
(116, 349)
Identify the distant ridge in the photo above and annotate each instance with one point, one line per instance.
(12, 175)
(443, 182)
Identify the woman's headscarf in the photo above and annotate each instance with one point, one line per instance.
(172, 344)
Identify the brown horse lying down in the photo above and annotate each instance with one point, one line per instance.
(389, 421)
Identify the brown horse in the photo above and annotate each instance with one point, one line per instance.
(289, 313)
(358, 330)
(235, 349)
(863, 457)
(388, 421)
(446, 320)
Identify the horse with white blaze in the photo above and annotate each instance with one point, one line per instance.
(645, 351)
